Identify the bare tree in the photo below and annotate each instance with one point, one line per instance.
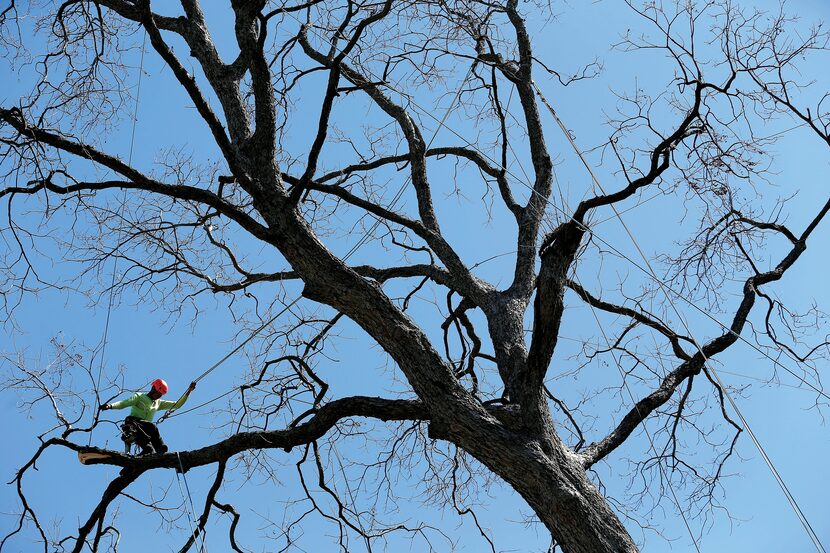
(478, 397)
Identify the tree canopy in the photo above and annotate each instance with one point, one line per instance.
(460, 253)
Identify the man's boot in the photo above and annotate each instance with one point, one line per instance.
(146, 450)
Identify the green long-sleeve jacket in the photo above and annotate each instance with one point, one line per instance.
(145, 408)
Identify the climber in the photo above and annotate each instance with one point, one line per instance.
(139, 423)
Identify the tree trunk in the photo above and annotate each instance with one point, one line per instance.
(555, 485)
(530, 457)
(578, 517)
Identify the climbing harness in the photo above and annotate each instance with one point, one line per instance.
(129, 434)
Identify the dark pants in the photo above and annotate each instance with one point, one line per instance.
(145, 434)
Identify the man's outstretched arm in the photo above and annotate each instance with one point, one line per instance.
(166, 405)
(123, 404)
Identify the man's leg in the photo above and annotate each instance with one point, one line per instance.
(143, 436)
(155, 437)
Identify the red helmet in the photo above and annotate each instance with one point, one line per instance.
(160, 386)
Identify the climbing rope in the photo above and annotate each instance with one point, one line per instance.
(349, 254)
(191, 512)
(617, 362)
(105, 337)
(767, 460)
(231, 354)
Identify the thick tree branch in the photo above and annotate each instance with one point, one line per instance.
(323, 420)
(534, 210)
(433, 272)
(114, 489)
(559, 248)
(145, 184)
(251, 33)
(188, 82)
(473, 288)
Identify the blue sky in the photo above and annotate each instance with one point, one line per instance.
(146, 343)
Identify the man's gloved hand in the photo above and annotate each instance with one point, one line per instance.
(191, 387)
(104, 407)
